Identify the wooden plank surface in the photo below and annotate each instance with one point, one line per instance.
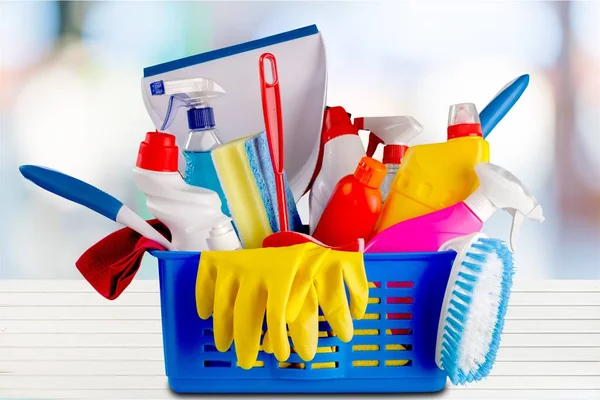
(60, 339)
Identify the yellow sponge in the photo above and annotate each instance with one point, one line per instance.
(246, 175)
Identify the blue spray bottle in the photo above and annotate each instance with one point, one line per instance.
(195, 94)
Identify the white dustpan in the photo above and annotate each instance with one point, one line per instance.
(303, 81)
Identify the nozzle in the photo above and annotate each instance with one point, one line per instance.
(191, 93)
(498, 188)
(396, 130)
(463, 121)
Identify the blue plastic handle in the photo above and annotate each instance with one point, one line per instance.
(502, 103)
(73, 189)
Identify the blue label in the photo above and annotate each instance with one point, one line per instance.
(157, 88)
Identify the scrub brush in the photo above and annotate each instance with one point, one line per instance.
(474, 307)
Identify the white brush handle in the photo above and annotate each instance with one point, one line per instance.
(127, 217)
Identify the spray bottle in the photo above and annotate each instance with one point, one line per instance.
(396, 133)
(499, 189)
(195, 94)
(342, 150)
(192, 214)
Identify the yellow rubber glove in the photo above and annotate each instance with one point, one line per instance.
(326, 289)
(238, 287)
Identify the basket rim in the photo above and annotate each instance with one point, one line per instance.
(182, 255)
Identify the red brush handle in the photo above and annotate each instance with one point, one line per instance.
(271, 102)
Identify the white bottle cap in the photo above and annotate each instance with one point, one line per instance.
(498, 188)
(223, 237)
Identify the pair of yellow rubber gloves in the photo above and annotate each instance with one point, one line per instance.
(287, 284)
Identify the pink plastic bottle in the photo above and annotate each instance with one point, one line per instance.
(498, 189)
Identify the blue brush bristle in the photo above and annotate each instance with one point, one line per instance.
(460, 309)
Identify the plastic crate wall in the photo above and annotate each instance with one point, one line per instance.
(392, 349)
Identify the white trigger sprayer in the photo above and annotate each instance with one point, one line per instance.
(396, 133)
(500, 189)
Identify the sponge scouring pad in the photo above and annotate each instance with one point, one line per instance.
(246, 175)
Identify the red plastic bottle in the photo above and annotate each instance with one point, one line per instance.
(354, 206)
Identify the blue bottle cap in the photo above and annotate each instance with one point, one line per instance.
(201, 118)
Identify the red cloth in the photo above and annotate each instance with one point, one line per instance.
(110, 265)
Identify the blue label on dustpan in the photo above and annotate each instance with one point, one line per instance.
(157, 88)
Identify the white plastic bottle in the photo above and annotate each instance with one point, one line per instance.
(192, 214)
(342, 151)
(396, 133)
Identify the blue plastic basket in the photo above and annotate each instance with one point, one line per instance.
(392, 349)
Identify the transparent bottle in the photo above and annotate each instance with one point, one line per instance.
(195, 95)
(392, 169)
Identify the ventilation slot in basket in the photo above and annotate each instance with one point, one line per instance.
(217, 364)
(379, 341)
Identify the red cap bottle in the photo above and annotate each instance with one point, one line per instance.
(158, 152)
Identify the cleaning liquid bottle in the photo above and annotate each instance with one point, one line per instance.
(192, 214)
(354, 205)
(342, 150)
(195, 94)
(396, 133)
(435, 176)
(499, 189)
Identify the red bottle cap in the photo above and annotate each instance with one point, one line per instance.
(393, 153)
(370, 172)
(463, 121)
(464, 130)
(158, 152)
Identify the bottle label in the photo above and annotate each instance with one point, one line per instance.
(157, 88)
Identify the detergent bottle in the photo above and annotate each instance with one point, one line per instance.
(435, 176)
(354, 205)
(195, 94)
(342, 150)
(499, 189)
(396, 133)
(192, 214)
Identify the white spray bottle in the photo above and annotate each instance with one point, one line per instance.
(192, 214)
(396, 133)
(195, 94)
(342, 150)
(498, 190)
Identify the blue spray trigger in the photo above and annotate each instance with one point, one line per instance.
(174, 104)
(157, 88)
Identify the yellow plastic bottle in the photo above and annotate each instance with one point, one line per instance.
(435, 176)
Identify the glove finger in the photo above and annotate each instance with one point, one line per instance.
(249, 314)
(333, 302)
(311, 262)
(355, 278)
(267, 347)
(225, 298)
(276, 320)
(205, 286)
(305, 329)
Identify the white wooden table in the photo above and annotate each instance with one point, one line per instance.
(60, 339)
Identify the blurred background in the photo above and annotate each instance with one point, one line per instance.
(70, 99)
